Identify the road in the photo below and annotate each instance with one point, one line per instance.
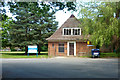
(60, 68)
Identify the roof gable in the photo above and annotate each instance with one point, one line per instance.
(71, 22)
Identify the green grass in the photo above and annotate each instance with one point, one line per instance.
(13, 52)
(84, 56)
(105, 55)
(20, 54)
(109, 55)
(17, 54)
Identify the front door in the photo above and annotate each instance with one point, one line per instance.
(71, 48)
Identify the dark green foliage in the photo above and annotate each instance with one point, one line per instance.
(62, 5)
(32, 25)
(34, 22)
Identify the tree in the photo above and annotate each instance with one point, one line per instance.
(42, 26)
(34, 22)
(5, 21)
(100, 22)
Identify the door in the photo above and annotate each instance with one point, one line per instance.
(71, 48)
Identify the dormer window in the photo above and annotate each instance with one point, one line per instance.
(67, 31)
(71, 31)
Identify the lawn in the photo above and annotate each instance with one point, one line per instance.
(17, 54)
(109, 55)
(20, 54)
(105, 55)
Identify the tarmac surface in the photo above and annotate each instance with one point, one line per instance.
(60, 67)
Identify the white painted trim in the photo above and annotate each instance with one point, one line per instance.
(71, 31)
(74, 47)
(67, 48)
(80, 31)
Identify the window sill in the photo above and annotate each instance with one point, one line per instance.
(71, 35)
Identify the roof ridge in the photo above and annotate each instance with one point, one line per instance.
(72, 16)
(72, 21)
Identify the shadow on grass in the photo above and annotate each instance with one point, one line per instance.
(23, 54)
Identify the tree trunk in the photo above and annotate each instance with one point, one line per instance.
(39, 45)
(117, 46)
(39, 49)
(26, 50)
(10, 47)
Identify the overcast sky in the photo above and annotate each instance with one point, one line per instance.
(61, 16)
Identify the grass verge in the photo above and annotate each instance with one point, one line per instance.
(17, 54)
(105, 55)
(109, 55)
(22, 55)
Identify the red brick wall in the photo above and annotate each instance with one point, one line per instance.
(53, 51)
(80, 47)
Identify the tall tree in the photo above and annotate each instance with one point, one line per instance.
(5, 36)
(5, 21)
(43, 24)
(33, 23)
(101, 21)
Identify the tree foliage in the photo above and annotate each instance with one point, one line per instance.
(5, 36)
(5, 22)
(101, 21)
(32, 25)
(34, 22)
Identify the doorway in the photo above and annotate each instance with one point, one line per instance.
(71, 48)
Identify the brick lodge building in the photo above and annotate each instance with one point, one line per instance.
(68, 40)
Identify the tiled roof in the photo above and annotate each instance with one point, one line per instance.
(71, 22)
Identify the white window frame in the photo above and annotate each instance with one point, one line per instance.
(71, 31)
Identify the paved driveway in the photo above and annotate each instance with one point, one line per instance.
(60, 68)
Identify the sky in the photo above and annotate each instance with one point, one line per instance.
(61, 16)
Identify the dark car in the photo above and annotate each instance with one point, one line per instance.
(95, 52)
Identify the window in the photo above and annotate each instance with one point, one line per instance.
(52, 45)
(61, 47)
(71, 31)
(67, 31)
(76, 31)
